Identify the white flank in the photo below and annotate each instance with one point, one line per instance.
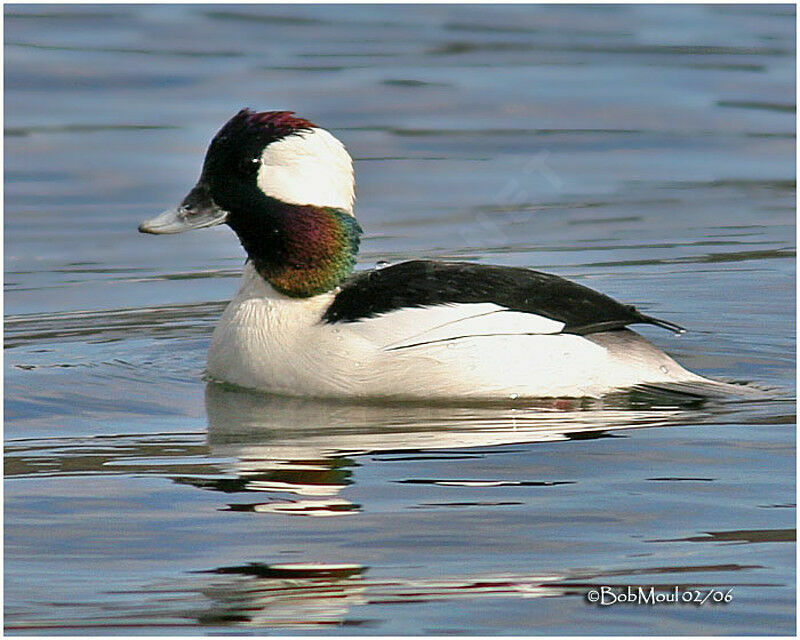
(270, 342)
(308, 168)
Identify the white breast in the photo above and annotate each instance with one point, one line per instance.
(260, 341)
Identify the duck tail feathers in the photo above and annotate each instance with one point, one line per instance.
(704, 388)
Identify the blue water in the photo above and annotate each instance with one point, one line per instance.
(646, 151)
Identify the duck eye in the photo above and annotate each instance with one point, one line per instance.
(249, 166)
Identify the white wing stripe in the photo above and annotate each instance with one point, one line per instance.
(406, 327)
(440, 327)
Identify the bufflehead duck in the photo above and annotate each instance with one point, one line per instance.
(302, 324)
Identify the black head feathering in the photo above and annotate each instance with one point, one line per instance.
(272, 124)
(248, 132)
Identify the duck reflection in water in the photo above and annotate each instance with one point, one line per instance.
(304, 449)
(301, 454)
(318, 594)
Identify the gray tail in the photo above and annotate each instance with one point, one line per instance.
(708, 389)
(664, 324)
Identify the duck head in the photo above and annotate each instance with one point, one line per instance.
(286, 187)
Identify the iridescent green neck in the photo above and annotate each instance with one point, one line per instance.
(301, 250)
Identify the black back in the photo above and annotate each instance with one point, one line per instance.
(421, 283)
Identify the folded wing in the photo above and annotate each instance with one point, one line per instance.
(423, 302)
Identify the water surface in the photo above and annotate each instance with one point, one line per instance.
(646, 151)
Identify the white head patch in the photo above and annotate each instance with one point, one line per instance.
(310, 167)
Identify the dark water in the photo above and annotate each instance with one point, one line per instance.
(647, 151)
